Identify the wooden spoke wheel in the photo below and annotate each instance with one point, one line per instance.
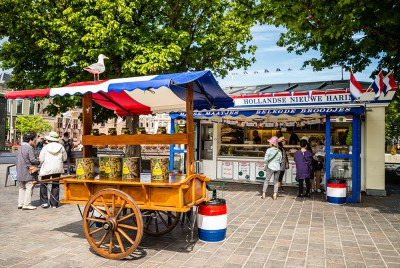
(159, 222)
(112, 223)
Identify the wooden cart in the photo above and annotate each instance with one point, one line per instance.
(118, 211)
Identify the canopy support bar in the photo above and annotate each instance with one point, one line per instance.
(87, 122)
(190, 129)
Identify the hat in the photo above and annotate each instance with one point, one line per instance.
(274, 141)
(304, 138)
(53, 136)
(281, 139)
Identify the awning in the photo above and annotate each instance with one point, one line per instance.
(232, 113)
(144, 95)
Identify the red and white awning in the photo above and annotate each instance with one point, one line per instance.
(144, 95)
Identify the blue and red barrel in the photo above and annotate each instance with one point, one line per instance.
(212, 220)
(336, 193)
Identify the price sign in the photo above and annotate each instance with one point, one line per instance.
(227, 170)
(260, 172)
(244, 170)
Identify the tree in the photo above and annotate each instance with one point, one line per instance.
(345, 32)
(392, 124)
(48, 43)
(34, 124)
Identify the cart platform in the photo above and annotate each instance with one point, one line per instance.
(179, 193)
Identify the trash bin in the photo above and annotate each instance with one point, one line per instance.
(336, 192)
(212, 220)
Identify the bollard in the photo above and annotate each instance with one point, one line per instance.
(212, 220)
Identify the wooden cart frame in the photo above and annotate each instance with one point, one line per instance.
(118, 211)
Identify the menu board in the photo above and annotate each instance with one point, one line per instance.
(227, 170)
(244, 170)
(260, 172)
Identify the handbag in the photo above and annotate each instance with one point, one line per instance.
(33, 169)
(269, 160)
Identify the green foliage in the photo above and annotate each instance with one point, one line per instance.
(392, 120)
(34, 124)
(49, 42)
(345, 32)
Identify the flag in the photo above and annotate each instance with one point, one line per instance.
(355, 88)
(378, 84)
(389, 83)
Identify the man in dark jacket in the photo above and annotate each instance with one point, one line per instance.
(25, 159)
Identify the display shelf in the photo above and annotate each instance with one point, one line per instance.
(232, 134)
(125, 139)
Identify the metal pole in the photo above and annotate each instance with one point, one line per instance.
(11, 120)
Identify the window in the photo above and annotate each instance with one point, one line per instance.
(115, 122)
(19, 106)
(59, 122)
(31, 107)
(8, 105)
(38, 108)
(75, 124)
(75, 135)
(67, 123)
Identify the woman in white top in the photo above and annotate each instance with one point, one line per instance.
(274, 157)
(52, 158)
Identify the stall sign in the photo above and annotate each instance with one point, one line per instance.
(244, 170)
(227, 170)
(260, 171)
(251, 124)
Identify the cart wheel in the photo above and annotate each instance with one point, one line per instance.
(110, 232)
(159, 222)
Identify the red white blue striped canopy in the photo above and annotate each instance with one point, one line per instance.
(144, 95)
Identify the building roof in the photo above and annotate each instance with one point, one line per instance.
(288, 87)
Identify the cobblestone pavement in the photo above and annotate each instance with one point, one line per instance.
(288, 232)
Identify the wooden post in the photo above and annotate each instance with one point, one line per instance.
(190, 130)
(87, 122)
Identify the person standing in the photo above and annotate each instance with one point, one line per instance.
(52, 157)
(25, 159)
(68, 145)
(284, 162)
(256, 139)
(294, 139)
(317, 165)
(303, 158)
(273, 156)
(40, 144)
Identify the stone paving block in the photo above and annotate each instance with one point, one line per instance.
(275, 264)
(251, 264)
(293, 262)
(237, 259)
(355, 264)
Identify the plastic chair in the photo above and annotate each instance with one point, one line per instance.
(8, 173)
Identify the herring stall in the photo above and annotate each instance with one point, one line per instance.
(350, 132)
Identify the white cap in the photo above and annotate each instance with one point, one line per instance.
(304, 138)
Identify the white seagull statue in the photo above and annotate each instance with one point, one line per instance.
(97, 68)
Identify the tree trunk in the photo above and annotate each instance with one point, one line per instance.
(132, 122)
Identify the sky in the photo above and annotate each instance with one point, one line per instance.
(269, 56)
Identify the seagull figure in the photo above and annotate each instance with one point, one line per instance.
(97, 68)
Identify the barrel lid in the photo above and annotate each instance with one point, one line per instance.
(215, 202)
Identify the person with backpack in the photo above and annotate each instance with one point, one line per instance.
(68, 145)
(52, 158)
